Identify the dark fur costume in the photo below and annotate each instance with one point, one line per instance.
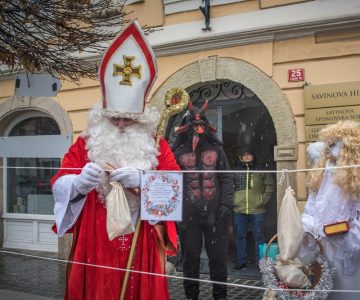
(207, 200)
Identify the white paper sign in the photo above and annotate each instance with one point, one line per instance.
(161, 196)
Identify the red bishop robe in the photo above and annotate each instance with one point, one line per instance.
(91, 245)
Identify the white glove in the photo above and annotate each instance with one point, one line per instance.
(128, 177)
(88, 179)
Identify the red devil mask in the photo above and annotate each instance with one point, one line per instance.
(196, 124)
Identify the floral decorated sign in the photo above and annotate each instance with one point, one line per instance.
(161, 196)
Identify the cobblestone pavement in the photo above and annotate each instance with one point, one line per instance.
(177, 292)
(29, 278)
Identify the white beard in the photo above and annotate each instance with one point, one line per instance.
(135, 146)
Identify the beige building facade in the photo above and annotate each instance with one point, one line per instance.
(243, 65)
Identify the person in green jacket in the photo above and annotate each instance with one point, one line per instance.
(252, 191)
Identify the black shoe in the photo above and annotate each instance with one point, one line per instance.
(239, 267)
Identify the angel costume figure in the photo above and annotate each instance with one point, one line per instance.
(120, 135)
(334, 198)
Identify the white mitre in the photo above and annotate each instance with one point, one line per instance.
(127, 72)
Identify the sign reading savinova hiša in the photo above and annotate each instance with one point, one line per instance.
(329, 95)
(330, 103)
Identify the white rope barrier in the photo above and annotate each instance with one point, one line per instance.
(199, 171)
(237, 285)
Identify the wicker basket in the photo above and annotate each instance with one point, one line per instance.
(321, 272)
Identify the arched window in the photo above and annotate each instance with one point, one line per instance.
(35, 126)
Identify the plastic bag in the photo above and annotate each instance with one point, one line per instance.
(272, 251)
(118, 218)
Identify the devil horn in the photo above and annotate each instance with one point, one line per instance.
(204, 107)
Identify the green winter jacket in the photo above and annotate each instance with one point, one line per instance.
(252, 190)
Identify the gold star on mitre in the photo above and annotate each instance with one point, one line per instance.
(127, 70)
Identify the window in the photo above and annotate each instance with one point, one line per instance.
(28, 189)
(35, 126)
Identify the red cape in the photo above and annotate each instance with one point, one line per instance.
(92, 246)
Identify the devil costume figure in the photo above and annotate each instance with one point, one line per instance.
(207, 201)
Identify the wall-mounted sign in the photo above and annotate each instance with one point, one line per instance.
(328, 104)
(330, 115)
(296, 74)
(312, 132)
(285, 152)
(37, 85)
(329, 95)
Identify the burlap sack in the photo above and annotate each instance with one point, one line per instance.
(290, 229)
(270, 295)
(290, 269)
(118, 218)
(292, 274)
